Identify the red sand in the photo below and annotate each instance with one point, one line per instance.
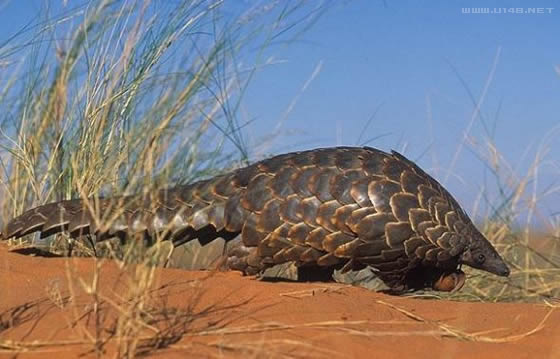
(236, 316)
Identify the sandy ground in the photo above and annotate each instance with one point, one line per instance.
(44, 309)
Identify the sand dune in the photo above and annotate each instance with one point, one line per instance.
(45, 308)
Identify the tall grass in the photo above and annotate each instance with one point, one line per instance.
(121, 96)
(517, 221)
(118, 97)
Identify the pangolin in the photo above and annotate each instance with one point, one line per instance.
(323, 209)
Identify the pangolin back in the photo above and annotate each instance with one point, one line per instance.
(340, 207)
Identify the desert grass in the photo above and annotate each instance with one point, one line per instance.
(136, 321)
(127, 97)
(511, 214)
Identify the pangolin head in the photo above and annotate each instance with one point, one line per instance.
(480, 254)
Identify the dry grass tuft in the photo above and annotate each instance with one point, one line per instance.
(115, 98)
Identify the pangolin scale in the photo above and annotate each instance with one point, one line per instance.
(324, 209)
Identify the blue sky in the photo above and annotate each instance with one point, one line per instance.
(415, 67)
(400, 57)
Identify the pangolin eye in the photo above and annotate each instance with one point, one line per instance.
(480, 258)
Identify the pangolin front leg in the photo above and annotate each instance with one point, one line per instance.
(324, 209)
